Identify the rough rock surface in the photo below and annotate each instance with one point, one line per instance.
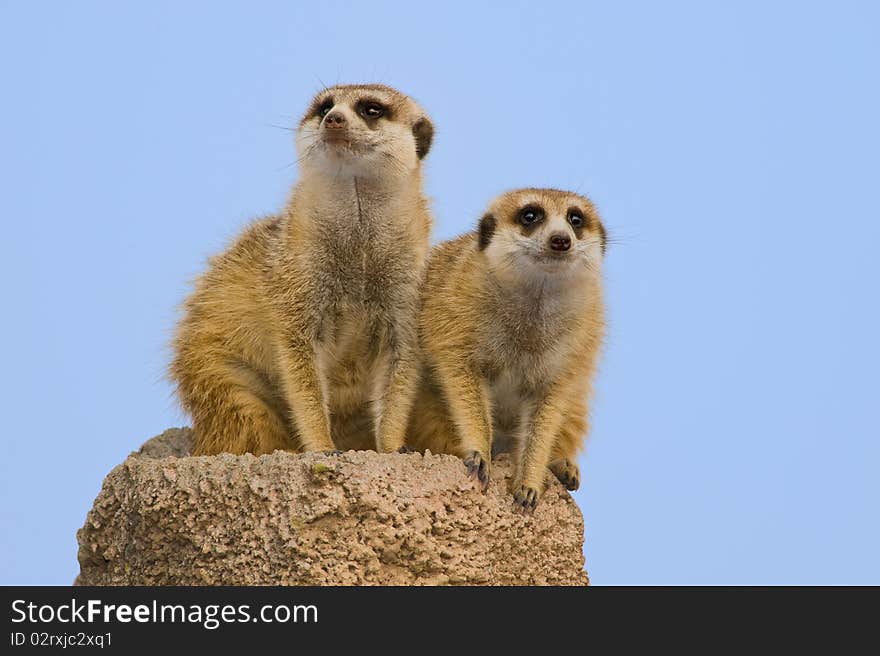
(357, 518)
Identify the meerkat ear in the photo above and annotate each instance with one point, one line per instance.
(486, 230)
(423, 131)
(603, 235)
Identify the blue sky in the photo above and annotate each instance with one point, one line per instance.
(732, 150)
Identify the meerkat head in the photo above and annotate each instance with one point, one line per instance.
(368, 130)
(536, 234)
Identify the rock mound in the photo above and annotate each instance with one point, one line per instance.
(357, 518)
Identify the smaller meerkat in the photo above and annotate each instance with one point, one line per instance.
(511, 325)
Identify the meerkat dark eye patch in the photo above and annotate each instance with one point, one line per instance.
(530, 216)
(577, 220)
(371, 109)
(486, 230)
(423, 131)
(323, 107)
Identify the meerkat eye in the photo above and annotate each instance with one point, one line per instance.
(324, 108)
(576, 220)
(372, 110)
(530, 215)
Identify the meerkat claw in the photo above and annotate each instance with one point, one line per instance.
(526, 498)
(567, 472)
(478, 467)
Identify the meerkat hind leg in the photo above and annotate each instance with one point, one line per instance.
(430, 427)
(235, 420)
(395, 387)
(395, 398)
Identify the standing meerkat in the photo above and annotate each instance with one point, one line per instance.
(511, 325)
(302, 334)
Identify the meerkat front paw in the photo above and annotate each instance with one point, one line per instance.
(567, 472)
(478, 467)
(526, 498)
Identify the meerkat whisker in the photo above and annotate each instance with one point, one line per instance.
(279, 127)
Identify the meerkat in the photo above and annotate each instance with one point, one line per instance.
(302, 335)
(511, 325)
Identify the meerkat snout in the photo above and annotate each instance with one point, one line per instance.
(334, 121)
(560, 242)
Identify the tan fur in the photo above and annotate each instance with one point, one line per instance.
(302, 335)
(510, 338)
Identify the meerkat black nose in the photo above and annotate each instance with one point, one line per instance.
(560, 242)
(334, 120)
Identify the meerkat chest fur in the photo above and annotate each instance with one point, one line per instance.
(363, 241)
(531, 338)
(357, 247)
